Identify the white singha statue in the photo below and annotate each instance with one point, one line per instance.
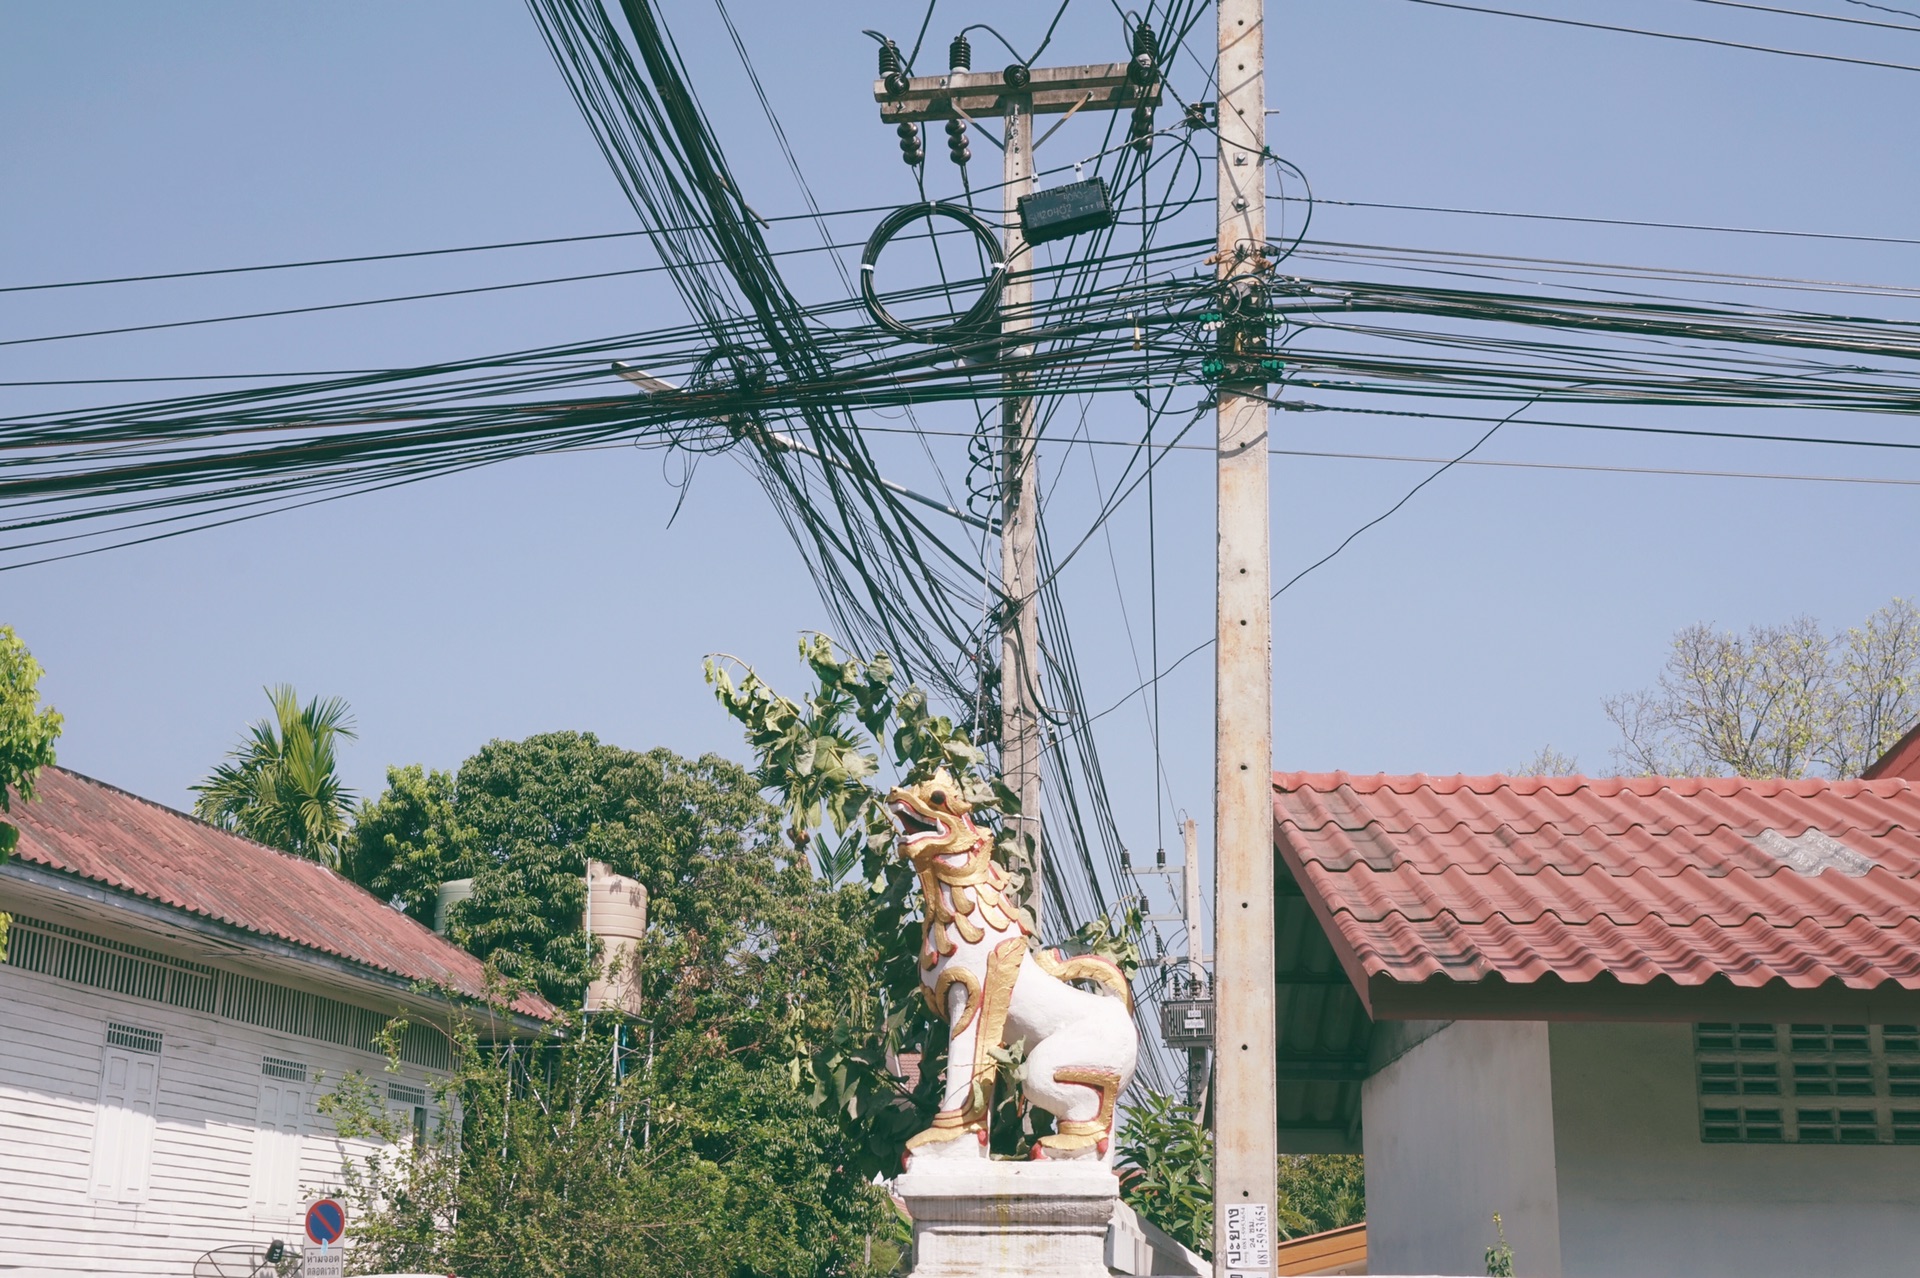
(978, 970)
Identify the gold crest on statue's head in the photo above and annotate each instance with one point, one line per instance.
(933, 818)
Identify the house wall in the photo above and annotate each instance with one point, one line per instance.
(1457, 1128)
(1641, 1194)
(201, 1181)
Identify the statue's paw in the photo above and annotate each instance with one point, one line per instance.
(966, 1145)
(950, 1137)
(1070, 1147)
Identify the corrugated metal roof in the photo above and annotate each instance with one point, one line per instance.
(1337, 1251)
(1805, 883)
(92, 830)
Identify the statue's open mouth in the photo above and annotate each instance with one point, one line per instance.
(913, 826)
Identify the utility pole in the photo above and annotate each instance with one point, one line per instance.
(962, 97)
(1196, 955)
(1186, 1019)
(1246, 1145)
(1019, 510)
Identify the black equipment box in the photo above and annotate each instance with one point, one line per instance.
(1061, 211)
(1187, 1022)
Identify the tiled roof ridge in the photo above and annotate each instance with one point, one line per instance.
(1641, 977)
(1838, 921)
(1484, 867)
(1647, 785)
(1883, 827)
(1700, 833)
(204, 824)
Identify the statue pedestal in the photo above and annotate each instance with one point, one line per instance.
(981, 1219)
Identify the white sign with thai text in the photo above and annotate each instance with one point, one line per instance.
(1249, 1238)
(323, 1262)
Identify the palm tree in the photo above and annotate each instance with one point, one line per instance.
(280, 786)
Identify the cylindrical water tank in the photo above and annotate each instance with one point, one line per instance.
(452, 891)
(617, 914)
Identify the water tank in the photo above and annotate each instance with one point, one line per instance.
(451, 891)
(617, 914)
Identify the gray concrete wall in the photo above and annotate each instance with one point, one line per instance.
(1639, 1194)
(1458, 1128)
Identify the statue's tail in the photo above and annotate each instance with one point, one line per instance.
(1087, 967)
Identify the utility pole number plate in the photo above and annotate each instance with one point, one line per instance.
(1249, 1239)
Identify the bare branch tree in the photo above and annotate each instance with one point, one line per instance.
(1548, 762)
(1778, 701)
(1877, 668)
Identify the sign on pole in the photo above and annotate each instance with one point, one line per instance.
(1249, 1239)
(323, 1257)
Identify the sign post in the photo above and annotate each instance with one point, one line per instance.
(323, 1256)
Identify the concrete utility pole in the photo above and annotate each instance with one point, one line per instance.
(1186, 1021)
(1246, 1145)
(1196, 953)
(1019, 509)
(1015, 96)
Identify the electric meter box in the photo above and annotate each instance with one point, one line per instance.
(1187, 1022)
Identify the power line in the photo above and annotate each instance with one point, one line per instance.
(1745, 436)
(404, 297)
(1606, 470)
(1803, 13)
(399, 256)
(328, 306)
(1867, 4)
(1607, 221)
(1667, 35)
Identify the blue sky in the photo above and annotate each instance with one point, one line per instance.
(1487, 618)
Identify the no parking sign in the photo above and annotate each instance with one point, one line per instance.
(326, 1226)
(326, 1222)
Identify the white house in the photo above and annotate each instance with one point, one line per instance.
(174, 1000)
(1662, 1026)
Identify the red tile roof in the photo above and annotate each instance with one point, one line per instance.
(1572, 879)
(90, 829)
(1901, 762)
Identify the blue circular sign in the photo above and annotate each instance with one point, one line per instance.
(326, 1222)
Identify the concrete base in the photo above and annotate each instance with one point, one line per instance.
(981, 1219)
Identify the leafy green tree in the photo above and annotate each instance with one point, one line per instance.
(708, 1148)
(1322, 1191)
(1165, 1160)
(281, 785)
(1778, 701)
(408, 841)
(821, 759)
(1166, 1174)
(523, 818)
(27, 731)
(578, 1156)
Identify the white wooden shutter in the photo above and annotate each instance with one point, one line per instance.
(277, 1134)
(124, 1121)
(407, 1106)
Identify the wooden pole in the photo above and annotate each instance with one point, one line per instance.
(1245, 1137)
(1019, 513)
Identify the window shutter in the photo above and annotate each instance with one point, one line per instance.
(277, 1139)
(124, 1120)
